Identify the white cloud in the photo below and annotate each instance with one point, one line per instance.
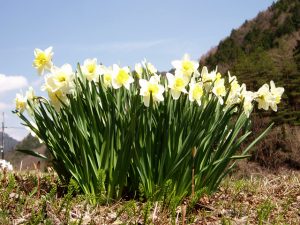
(8, 83)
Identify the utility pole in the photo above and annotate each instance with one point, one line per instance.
(2, 145)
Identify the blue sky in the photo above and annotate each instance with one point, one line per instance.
(123, 32)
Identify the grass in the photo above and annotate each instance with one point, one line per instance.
(39, 198)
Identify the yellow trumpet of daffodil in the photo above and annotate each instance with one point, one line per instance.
(121, 77)
(177, 84)
(186, 67)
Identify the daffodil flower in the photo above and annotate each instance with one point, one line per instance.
(196, 92)
(235, 91)
(219, 89)
(247, 97)
(234, 85)
(121, 77)
(177, 84)
(43, 60)
(58, 84)
(91, 70)
(5, 165)
(57, 97)
(60, 78)
(186, 66)
(208, 77)
(151, 87)
(151, 68)
(30, 94)
(139, 70)
(21, 102)
(276, 93)
(264, 97)
(106, 73)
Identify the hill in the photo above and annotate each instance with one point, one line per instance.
(9, 142)
(263, 49)
(23, 161)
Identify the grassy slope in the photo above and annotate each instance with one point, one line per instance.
(256, 199)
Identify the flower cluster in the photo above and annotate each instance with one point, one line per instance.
(96, 118)
(186, 80)
(5, 165)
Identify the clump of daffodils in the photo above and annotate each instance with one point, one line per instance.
(5, 165)
(199, 87)
(112, 118)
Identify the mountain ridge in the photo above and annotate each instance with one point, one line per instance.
(265, 48)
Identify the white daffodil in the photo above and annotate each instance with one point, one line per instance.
(60, 79)
(58, 84)
(264, 97)
(150, 68)
(247, 97)
(30, 94)
(43, 60)
(121, 77)
(186, 67)
(177, 84)
(195, 92)
(139, 70)
(151, 87)
(234, 85)
(91, 70)
(106, 73)
(208, 77)
(21, 102)
(56, 97)
(5, 165)
(235, 91)
(277, 93)
(219, 89)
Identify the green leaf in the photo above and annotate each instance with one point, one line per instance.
(32, 153)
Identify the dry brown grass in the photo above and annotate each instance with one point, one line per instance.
(259, 198)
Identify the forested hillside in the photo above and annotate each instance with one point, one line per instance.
(263, 49)
(9, 142)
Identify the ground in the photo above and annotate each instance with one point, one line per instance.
(261, 197)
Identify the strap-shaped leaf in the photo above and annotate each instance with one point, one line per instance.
(32, 153)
